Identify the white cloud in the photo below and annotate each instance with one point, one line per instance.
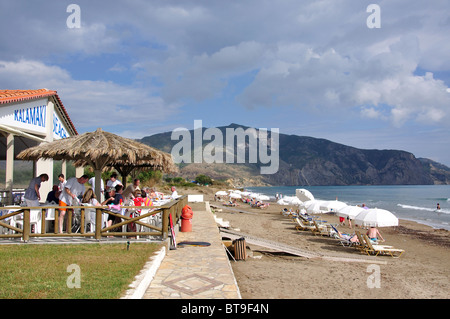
(89, 103)
(329, 80)
(310, 57)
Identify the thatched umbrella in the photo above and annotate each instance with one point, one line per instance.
(163, 162)
(97, 149)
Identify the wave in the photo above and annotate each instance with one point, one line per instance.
(445, 211)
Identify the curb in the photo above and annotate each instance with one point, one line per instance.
(208, 209)
(145, 277)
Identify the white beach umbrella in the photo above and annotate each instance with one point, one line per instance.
(375, 217)
(290, 200)
(221, 193)
(296, 201)
(235, 195)
(304, 194)
(314, 207)
(245, 193)
(349, 211)
(306, 204)
(332, 205)
(262, 197)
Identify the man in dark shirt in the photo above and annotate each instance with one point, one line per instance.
(53, 195)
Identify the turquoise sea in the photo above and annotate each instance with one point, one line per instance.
(417, 202)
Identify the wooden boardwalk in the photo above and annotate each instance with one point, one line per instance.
(296, 251)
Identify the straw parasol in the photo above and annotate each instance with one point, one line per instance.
(99, 149)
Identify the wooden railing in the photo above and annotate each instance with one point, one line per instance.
(172, 208)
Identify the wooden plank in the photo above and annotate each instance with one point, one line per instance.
(293, 250)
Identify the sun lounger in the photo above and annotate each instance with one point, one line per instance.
(344, 242)
(301, 226)
(380, 249)
(361, 244)
(230, 204)
(321, 229)
(306, 220)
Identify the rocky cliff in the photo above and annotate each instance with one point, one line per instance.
(310, 161)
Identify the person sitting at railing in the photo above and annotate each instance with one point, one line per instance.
(115, 198)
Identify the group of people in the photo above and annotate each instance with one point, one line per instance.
(373, 233)
(73, 192)
(254, 202)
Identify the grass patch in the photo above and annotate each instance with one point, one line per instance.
(40, 271)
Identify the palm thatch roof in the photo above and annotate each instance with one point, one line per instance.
(163, 162)
(97, 149)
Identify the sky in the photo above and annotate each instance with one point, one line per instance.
(371, 77)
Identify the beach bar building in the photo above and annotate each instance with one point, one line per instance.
(28, 118)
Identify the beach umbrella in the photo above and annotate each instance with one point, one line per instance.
(375, 217)
(97, 149)
(263, 197)
(332, 205)
(304, 194)
(289, 200)
(235, 195)
(303, 205)
(221, 193)
(245, 193)
(349, 211)
(314, 207)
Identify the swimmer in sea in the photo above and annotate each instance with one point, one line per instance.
(438, 207)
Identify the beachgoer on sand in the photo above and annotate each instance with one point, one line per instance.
(373, 234)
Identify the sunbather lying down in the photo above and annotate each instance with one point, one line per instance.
(352, 238)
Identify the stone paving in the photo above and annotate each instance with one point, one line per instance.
(196, 272)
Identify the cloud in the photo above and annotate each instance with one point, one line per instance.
(331, 81)
(315, 59)
(90, 103)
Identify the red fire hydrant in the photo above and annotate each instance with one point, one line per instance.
(186, 218)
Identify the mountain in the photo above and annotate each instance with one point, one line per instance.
(303, 161)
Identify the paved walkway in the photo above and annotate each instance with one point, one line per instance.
(192, 272)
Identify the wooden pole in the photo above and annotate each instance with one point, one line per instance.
(56, 220)
(69, 220)
(43, 214)
(98, 223)
(82, 221)
(26, 224)
(165, 223)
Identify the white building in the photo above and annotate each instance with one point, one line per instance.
(28, 118)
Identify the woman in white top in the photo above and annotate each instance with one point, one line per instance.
(90, 199)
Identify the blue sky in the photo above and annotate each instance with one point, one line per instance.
(311, 68)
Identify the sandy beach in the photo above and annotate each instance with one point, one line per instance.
(421, 272)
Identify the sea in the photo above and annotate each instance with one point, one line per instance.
(411, 202)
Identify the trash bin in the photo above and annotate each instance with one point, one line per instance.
(186, 219)
(240, 252)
